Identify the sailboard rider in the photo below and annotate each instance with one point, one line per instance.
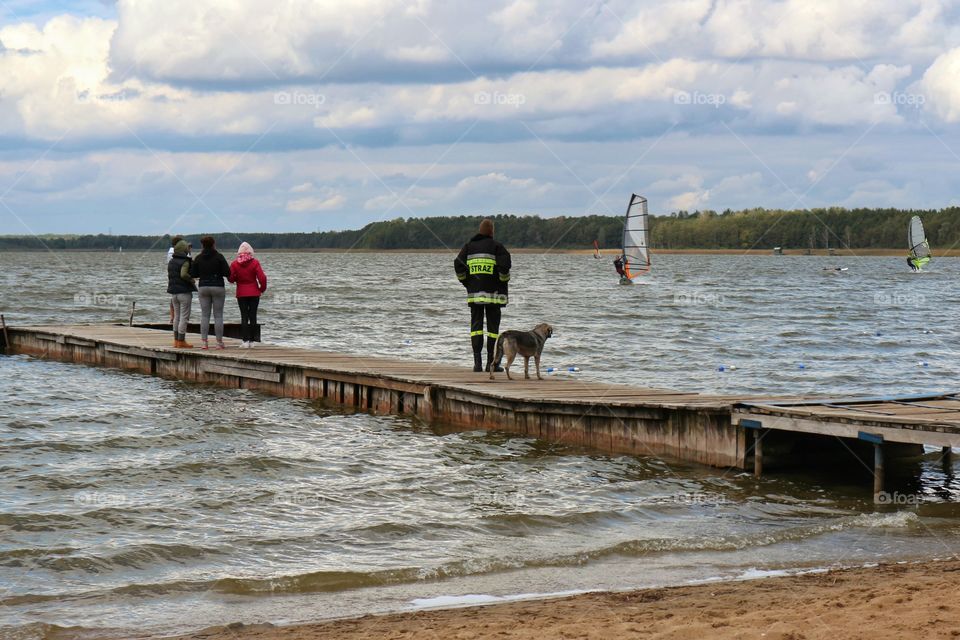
(618, 265)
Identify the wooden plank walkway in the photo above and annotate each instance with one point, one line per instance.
(562, 390)
(716, 430)
(608, 417)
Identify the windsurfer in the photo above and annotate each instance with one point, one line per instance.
(913, 265)
(618, 265)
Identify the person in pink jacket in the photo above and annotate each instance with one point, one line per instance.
(251, 282)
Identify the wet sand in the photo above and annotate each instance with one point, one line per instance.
(890, 601)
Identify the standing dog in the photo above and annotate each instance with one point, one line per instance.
(525, 343)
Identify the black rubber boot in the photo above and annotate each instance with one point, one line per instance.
(477, 343)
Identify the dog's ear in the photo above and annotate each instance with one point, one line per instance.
(549, 331)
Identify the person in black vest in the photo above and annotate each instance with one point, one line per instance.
(483, 267)
(173, 242)
(180, 287)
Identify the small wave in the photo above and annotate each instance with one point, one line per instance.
(139, 557)
(17, 554)
(895, 520)
(314, 582)
(38, 521)
(335, 581)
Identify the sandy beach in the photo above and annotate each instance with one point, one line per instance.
(889, 601)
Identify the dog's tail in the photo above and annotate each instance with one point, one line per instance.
(498, 352)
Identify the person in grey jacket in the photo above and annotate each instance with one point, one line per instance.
(210, 268)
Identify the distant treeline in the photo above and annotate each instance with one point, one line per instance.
(749, 229)
(802, 229)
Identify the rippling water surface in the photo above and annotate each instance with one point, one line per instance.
(131, 501)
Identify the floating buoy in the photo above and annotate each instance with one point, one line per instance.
(923, 363)
(927, 331)
(727, 367)
(878, 334)
(800, 365)
(408, 342)
(558, 369)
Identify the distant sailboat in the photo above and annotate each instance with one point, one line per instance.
(636, 252)
(919, 247)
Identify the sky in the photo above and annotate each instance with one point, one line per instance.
(148, 117)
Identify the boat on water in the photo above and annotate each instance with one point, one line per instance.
(634, 259)
(919, 247)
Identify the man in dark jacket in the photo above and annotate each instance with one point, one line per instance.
(483, 267)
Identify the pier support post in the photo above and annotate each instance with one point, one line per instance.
(946, 455)
(426, 414)
(757, 428)
(877, 442)
(6, 336)
(877, 469)
(757, 452)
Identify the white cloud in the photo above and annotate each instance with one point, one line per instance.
(62, 176)
(364, 40)
(652, 27)
(824, 30)
(315, 203)
(73, 86)
(689, 200)
(345, 40)
(487, 191)
(419, 53)
(940, 88)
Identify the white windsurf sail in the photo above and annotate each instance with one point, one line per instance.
(917, 239)
(636, 252)
(919, 247)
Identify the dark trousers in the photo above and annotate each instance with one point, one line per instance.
(248, 316)
(477, 312)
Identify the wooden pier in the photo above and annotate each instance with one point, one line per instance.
(715, 430)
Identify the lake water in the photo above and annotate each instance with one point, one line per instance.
(135, 502)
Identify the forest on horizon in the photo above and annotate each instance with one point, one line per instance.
(835, 227)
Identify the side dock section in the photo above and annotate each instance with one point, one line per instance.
(609, 418)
